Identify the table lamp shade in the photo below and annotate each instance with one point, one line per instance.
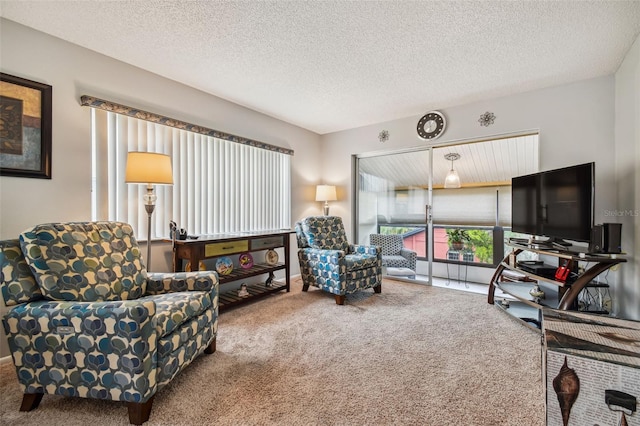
(326, 193)
(149, 168)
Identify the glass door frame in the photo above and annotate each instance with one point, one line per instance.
(428, 207)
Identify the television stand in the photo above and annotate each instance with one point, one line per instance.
(517, 278)
(552, 242)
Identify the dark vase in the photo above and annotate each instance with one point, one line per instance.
(457, 245)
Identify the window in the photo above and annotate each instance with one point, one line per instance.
(220, 186)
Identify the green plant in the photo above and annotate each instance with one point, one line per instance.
(457, 236)
(482, 242)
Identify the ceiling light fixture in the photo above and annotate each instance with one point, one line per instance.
(452, 180)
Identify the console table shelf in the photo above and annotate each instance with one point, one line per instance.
(259, 269)
(516, 282)
(194, 251)
(231, 298)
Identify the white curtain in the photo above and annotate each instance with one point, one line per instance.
(473, 206)
(219, 186)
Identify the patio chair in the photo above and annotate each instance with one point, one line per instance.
(394, 254)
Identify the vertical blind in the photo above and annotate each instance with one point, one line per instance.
(220, 186)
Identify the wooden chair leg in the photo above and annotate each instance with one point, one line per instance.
(30, 401)
(211, 348)
(139, 411)
(340, 299)
(378, 288)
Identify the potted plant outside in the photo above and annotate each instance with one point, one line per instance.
(457, 238)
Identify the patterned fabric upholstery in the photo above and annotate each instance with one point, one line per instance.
(390, 244)
(139, 332)
(86, 262)
(329, 262)
(393, 253)
(325, 233)
(18, 284)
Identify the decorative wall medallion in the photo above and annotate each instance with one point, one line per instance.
(383, 136)
(487, 119)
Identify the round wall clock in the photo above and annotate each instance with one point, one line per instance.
(431, 125)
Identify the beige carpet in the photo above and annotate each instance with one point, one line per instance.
(412, 355)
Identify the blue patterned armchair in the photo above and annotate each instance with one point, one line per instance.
(329, 262)
(85, 318)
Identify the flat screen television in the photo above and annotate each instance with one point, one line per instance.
(557, 204)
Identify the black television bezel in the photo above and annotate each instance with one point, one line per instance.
(537, 226)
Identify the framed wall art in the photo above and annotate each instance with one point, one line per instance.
(25, 128)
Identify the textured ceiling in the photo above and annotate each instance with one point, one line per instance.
(332, 65)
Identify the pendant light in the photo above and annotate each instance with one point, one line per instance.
(452, 180)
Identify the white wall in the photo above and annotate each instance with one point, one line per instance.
(563, 115)
(74, 71)
(627, 161)
(576, 124)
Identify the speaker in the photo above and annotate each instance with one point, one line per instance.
(606, 238)
(612, 237)
(597, 243)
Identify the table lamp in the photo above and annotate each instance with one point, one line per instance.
(149, 168)
(326, 193)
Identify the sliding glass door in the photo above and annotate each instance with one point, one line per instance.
(408, 194)
(393, 195)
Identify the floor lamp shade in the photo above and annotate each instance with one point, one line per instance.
(149, 168)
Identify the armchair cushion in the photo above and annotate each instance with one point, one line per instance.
(86, 262)
(360, 261)
(325, 233)
(174, 309)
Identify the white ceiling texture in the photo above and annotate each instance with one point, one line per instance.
(332, 65)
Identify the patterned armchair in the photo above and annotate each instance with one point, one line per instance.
(393, 252)
(87, 320)
(329, 262)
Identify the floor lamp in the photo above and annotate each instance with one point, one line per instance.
(149, 168)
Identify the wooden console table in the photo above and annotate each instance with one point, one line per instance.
(194, 251)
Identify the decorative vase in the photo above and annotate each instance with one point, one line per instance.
(457, 245)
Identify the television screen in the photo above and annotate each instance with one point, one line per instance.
(524, 204)
(556, 203)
